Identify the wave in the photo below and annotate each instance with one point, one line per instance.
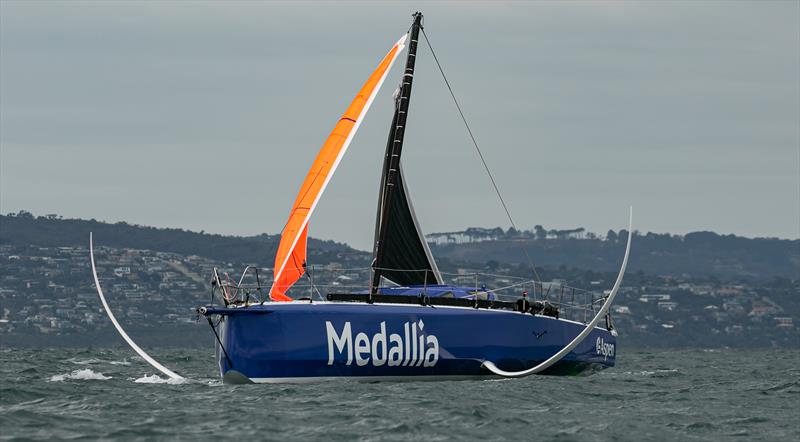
(654, 373)
(660, 373)
(89, 361)
(94, 361)
(85, 374)
(156, 379)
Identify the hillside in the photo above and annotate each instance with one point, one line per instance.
(698, 254)
(24, 229)
(154, 277)
(695, 254)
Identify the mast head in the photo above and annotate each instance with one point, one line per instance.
(417, 18)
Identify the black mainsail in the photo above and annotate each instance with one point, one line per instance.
(400, 252)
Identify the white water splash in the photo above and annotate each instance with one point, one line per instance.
(85, 374)
(155, 379)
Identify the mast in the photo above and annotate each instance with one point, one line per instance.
(391, 177)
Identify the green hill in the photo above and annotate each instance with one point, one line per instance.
(698, 254)
(25, 229)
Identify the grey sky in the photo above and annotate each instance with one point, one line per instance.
(206, 116)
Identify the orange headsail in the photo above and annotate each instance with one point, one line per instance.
(291, 256)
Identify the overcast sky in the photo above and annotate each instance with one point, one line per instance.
(206, 116)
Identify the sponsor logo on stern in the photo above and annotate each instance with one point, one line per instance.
(606, 350)
(411, 348)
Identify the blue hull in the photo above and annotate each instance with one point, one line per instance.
(300, 341)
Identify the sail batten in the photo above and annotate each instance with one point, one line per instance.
(290, 259)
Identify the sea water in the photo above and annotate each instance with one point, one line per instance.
(725, 394)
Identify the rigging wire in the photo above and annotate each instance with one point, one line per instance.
(480, 154)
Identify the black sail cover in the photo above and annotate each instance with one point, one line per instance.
(406, 258)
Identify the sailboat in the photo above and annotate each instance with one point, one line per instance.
(408, 322)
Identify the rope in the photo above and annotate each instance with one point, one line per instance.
(211, 323)
(480, 154)
(519, 284)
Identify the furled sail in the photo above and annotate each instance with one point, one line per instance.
(290, 259)
(400, 253)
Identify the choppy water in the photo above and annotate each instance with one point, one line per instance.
(650, 395)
